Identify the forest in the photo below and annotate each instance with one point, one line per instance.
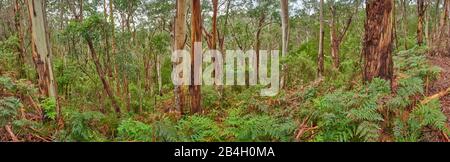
(153, 70)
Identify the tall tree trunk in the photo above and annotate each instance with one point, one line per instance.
(285, 36)
(221, 37)
(427, 25)
(158, 74)
(211, 37)
(180, 37)
(378, 40)
(405, 4)
(214, 38)
(41, 51)
(221, 41)
(113, 46)
(421, 9)
(196, 37)
(444, 18)
(337, 36)
(320, 62)
(335, 42)
(214, 25)
(101, 74)
(21, 47)
(261, 22)
(107, 46)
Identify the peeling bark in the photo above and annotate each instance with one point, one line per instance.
(41, 51)
(378, 40)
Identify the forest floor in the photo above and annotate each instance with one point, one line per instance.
(442, 83)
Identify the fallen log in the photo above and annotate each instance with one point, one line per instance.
(11, 134)
(438, 96)
(435, 96)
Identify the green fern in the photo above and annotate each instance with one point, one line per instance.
(131, 130)
(8, 109)
(430, 115)
(198, 129)
(80, 128)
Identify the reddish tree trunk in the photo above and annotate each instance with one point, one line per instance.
(421, 9)
(337, 36)
(101, 74)
(378, 40)
(196, 37)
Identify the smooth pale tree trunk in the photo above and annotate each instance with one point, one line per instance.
(196, 37)
(421, 9)
(285, 36)
(126, 95)
(41, 51)
(159, 75)
(320, 62)
(378, 40)
(180, 37)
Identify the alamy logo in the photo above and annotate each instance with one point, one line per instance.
(228, 71)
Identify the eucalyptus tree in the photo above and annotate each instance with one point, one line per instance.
(196, 37)
(338, 30)
(41, 52)
(378, 40)
(320, 62)
(285, 31)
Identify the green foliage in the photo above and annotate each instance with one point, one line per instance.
(160, 42)
(198, 129)
(256, 128)
(8, 109)
(355, 115)
(414, 63)
(165, 130)
(301, 68)
(8, 55)
(131, 130)
(80, 126)
(407, 87)
(430, 115)
(49, 106)
(7, 83)
(340, 108)
(351, 115)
